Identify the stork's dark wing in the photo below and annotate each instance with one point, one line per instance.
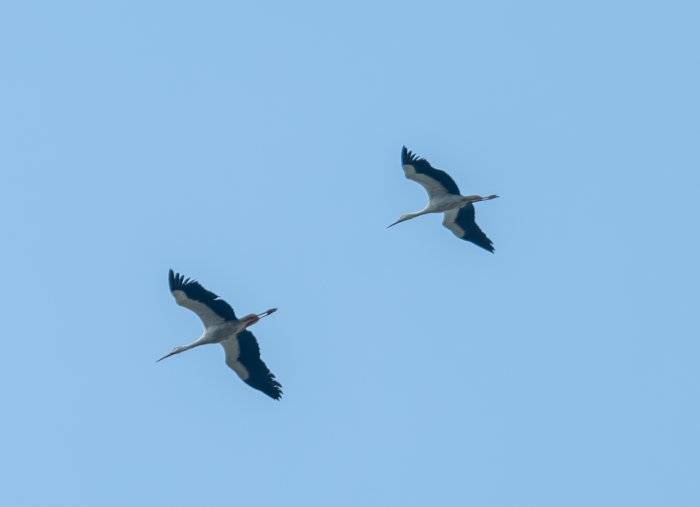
(243, 357)
(207, 305)
(461, 222)
(436, 182)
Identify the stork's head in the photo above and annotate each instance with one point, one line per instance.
(252, 318)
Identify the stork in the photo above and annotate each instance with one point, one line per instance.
(444, 197)
(222, 326)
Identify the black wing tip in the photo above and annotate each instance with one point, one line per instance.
(271, 387)
(486, 246)
(481, 242)
(176, 281)
(276, 394)
(407, 156)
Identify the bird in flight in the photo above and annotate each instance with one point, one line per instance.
(222, 326)
(444, 197)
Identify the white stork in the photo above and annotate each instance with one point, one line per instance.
(222, 326)
(444, 197)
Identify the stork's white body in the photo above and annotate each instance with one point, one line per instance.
(216, 328)
(217, 333)
(442, 203)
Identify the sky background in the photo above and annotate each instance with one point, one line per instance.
(256, 147)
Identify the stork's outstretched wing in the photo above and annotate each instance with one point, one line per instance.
(436, 182)
(207, 305)
(461, 222)
(243, 357)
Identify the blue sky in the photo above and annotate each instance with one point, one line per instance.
(255, 146)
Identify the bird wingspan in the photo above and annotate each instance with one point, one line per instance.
(243, 357)
(461, 222)
(436, 182)
(207, 305)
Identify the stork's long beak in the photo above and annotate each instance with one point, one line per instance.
(267, 312)
(168, 355)
(391, 225)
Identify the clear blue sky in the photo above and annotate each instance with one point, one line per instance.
(255, 146)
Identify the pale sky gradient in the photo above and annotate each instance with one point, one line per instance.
(256, 147)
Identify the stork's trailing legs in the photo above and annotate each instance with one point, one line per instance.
(477, 198)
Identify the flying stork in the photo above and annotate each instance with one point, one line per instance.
(444, 197)
(222, 326)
